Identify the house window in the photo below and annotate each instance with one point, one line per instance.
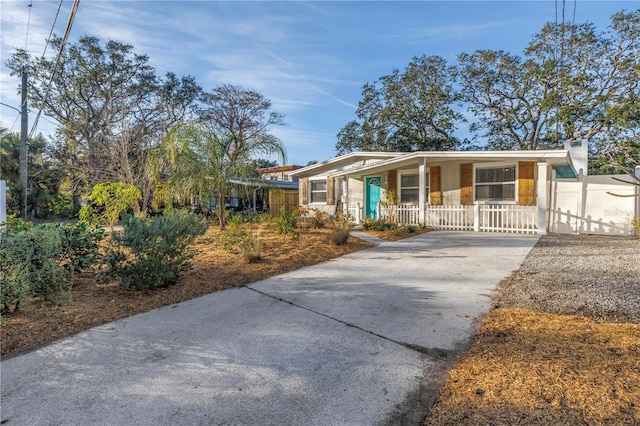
(496, 183)
(410, 189)
(319, 191)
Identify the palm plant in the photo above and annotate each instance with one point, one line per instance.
(195, 161)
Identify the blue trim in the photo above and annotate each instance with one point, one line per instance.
(565, 172)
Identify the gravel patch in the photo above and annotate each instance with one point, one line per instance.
(593, 276)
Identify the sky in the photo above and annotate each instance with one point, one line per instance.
(309, 58)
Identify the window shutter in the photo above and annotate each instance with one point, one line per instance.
(304, 187)
(466, 184)
(435, 194)
(331, 190)
(392, 178)
(526, 184)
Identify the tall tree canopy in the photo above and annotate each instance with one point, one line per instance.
(44, 177)
(203, 157)
(572, 84)
(110, 104)
(408, 111)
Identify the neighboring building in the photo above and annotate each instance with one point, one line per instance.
(279, 173)
(504, 191)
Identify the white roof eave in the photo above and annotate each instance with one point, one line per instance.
(347, 158)
(551, 157)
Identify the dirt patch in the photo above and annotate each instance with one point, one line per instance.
(214, 269)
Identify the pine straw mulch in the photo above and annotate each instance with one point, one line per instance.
(91, 304)
(397, 234)
(529, 367)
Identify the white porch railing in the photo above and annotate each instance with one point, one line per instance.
(407, 214)
(477, 217)
(453, 218)
(508, 218)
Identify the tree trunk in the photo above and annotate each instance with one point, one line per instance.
(221, 210)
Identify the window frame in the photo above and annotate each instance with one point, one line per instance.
(311, 190)
(496, 165)
(411, 172)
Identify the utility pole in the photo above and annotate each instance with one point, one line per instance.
(24, 145)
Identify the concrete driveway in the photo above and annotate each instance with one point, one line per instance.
(360, 340)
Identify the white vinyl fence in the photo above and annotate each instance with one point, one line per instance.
(477, 217)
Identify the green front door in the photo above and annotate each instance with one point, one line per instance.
(372, 195)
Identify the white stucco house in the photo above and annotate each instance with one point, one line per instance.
(503, 191)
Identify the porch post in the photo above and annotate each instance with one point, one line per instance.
(358, 218)
(422, 189)
(541, 202)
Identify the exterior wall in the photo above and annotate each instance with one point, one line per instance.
(334, 193)
(450, 182)
(356, 192)
(584, 206)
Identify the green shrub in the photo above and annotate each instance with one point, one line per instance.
(251, 247)
(233, 234)
(80, 246)
(340, 228)
(405, 230)
(377, 225)
(152, 252)
(316, 218)
(286, 223)
(263, 217)
(30, 261)
(15, 251)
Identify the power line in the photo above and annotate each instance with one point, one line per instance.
(67, 31)
(47, 41)
(55, 19)
(26, 39)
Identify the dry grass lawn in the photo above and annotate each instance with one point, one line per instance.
(534, 368)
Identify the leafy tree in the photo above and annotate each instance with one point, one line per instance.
(572, 84)
(508, 97)
(111, 107)
(201, 158)
(115, 197)
(44, 177)
(193, 161)
(260, 163)
(408, 111)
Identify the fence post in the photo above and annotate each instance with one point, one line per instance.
(637, 195)
(476, 216)
(541, 202)
(358, 213)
